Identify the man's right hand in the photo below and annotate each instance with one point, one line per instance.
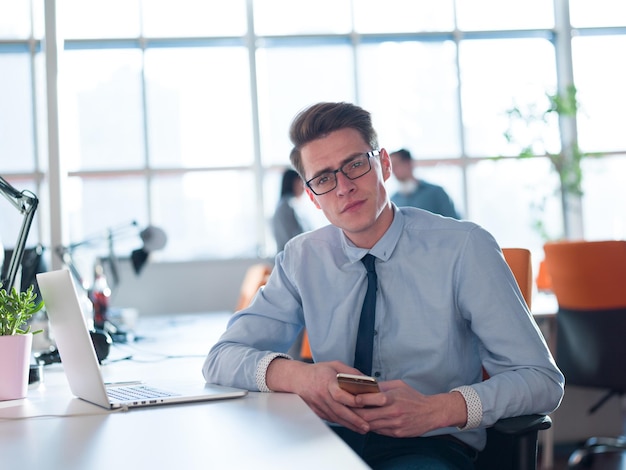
(317, 385)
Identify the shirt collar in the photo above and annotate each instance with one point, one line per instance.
(384, 247)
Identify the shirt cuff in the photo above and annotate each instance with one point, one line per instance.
(474, 407)
(261, 370)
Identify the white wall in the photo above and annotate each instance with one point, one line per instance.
(197, 286)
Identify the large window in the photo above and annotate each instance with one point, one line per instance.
(176, 113)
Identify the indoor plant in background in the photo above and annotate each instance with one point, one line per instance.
(16, 339)
(531, 130)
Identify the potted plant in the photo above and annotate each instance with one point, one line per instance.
(530, 131)
(16, 339)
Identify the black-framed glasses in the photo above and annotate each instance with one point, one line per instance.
(355, 168)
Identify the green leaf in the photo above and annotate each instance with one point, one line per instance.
(16, 308)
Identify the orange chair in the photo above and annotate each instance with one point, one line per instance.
(256, 277)
(519, 261)
(589, 282)
(588, 274)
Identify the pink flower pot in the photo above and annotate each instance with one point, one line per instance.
(14, 365)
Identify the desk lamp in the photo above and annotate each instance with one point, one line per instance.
(153, 239)
(103, 335)
(26, 203)
(99, 290)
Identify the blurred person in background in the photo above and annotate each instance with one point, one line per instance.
(286, 223)
(416, 192)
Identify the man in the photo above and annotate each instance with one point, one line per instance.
(446, 304)
(418, 193)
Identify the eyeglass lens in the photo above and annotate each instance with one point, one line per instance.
(354, 169)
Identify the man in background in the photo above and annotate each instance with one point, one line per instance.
(418, 193)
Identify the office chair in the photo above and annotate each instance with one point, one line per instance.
(589, 281)
(512, 442)
(519, 261)
(256, 276)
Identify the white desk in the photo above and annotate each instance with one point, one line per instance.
(262, 430)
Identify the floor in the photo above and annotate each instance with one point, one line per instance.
(609, 461)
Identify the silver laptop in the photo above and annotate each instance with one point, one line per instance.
(81, 363)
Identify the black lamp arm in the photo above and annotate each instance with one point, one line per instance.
(26, 203)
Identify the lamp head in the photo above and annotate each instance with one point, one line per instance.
(153, 239)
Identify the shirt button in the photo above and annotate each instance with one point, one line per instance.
(376, 374)
(375, 332)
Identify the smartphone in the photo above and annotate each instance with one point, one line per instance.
(357, 384)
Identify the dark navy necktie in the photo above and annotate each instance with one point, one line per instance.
(365, 336)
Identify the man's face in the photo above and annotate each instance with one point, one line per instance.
(402, 169)
(359, 207)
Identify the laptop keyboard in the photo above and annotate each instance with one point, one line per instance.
(137, 392)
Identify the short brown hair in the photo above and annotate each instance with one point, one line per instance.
(403, 154)
(321, 119)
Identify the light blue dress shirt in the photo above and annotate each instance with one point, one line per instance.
(447, 303)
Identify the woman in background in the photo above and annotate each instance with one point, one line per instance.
(286, 223)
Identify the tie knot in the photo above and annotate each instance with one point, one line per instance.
(369, 260)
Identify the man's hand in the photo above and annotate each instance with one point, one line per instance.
(317, 385)
(401, 411)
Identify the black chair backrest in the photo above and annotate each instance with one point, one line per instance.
(591, 347)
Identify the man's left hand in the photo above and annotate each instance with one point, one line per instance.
(401, 411)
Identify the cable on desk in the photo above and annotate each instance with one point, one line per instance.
(123, 408)
(159, 356)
